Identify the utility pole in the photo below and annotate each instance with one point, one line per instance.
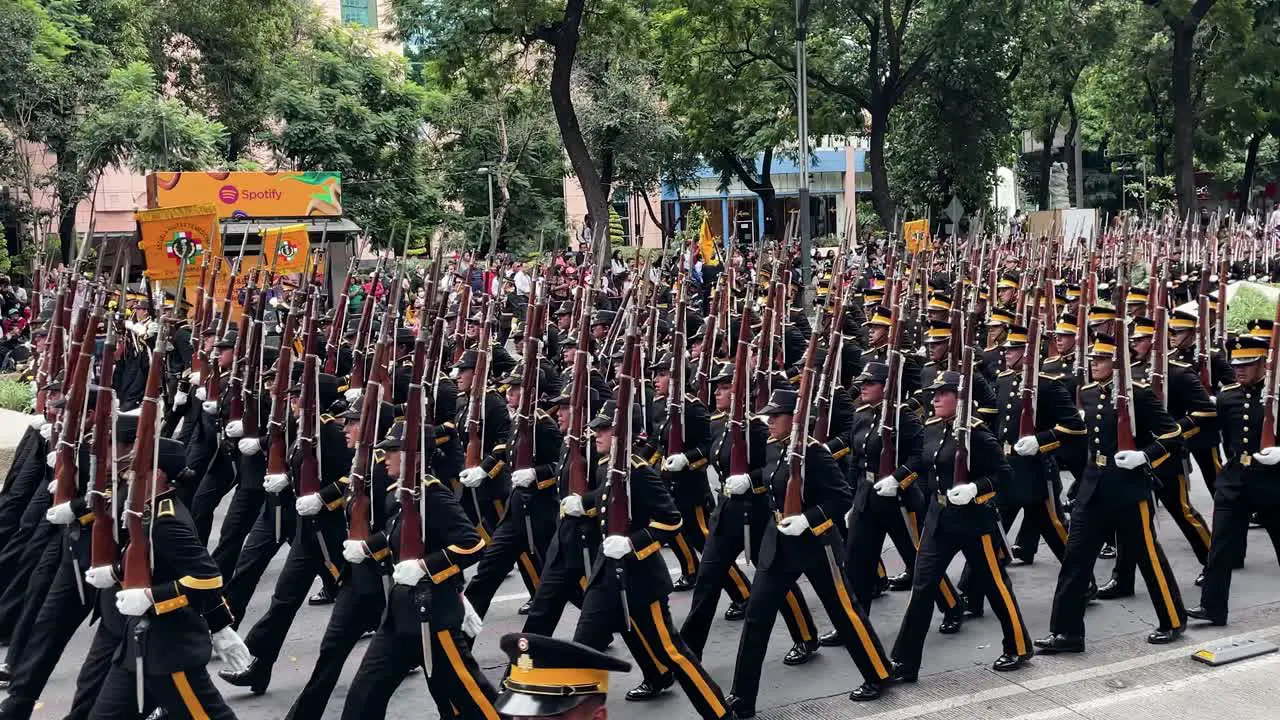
(493, 231)
(1079, 162)
(802, 101)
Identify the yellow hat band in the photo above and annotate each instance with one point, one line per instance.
(1016, 338)
(1006, 284)
(558, 681)
(1101, 317)
(1073, 294)
(938, 305)
(1248, 353)
(1181, 324)
(1103, 349)
(1067, 329)
(939, 333)
(1258, 332)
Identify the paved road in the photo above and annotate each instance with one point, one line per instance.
(1120, 675)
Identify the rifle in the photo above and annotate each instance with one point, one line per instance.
(479, 388)
(1029, 392)
(309, 429)
(676, 386)
(793, 501)
(526, 422)
(277, 447)
(579, 395)
(1123, 390)
(1272, 385)
(359, 348)
(65, 473)
(144, 484)
(827, 381)
(361, 464)
(103, 497)
(964, 419)
(340, 308)
(739, 460)
(618, 512)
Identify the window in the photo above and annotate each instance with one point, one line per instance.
(360, 12)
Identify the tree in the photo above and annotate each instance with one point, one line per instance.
(478, 31)
(340, 104)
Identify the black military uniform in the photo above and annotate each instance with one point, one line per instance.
(1190, 406)
(548, 678)
(451, 544)
(812, 550)
(734, 518)
(1035, 485)
(523, 535)
(486, 504)
(1246, 486)
(315, 549)
(1113, 499)
(900, 515)
(961, 523)
(173, 638)
(642, 617)
(1204, 448)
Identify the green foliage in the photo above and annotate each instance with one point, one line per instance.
(617, 233)
(1248, 303)
(16, 395)
(692, 229)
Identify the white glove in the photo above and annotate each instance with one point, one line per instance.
(309, 505)
(194, 378)
(408, 572)
(352, 395)
(353, 550)
(180, 398)
(524, 478)
(887, 486)
(209, 406)
(60, 514)
(274, 482)
(51, 458)
(1268, 456)
(52, 487)
(675, 463)
(737, 484)
(133, 602)
(38, 422)
(572, 505)
(616, 547)
(249, 446)
(1026, 446)
(962, 494)
(793, 525)
(1131, 459)
(101, 576)
(473, 477)
(472, 623)
(202, 393)
(235, 429)
(227, 643)
(46, 431)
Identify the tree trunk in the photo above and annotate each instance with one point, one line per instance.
(504, 179)
(1184, 117)
(1250, 169)
(575, 145)
(761, 184)
(879, 173)
(1069, 151)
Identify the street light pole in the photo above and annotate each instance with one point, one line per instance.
(493, 230)
(802, 101)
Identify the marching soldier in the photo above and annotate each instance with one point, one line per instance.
(1114, 497)
(1247, 483)
(961, 523)
(1204, 449)
(795, 545)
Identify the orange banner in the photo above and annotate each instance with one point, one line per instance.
(285, 248)
(169, 235)
(916, 235)
(250, 194)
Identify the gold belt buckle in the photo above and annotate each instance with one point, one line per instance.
(1099, 459)
(1246, 459)
(871, 477)
(1008, 449)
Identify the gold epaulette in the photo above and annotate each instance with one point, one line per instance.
(326, 418)
(1092, 384)
(165, 508)
(638, 462)
(602, 461)
(1178, 363)
(719, 416)
(1232, 386)
(1141, 384)
(1004, 373)
(976, 422)
(862, 407)
(1052, 376)
(933, 420)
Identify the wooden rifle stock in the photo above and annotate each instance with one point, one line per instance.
(103, 550)
(66, 462)
(793, 502)
(1272, 386)
(1030, 380)
(143, 480)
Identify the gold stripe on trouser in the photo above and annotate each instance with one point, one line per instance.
(701, 515)
(699, 680)
(687, 560)
(500, 507)
(188, 696)
(738, 579)
(1019, 641)
(1217, 461)
(913, 527)
(635, 629)
(1184, 502)
(484, 534)
(880, 571)
(582, 583)
(464, 675)
(1052, 506)
(860, 630)
(526, 562)
(948, 598)
(1150, 541)
(793, 602)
